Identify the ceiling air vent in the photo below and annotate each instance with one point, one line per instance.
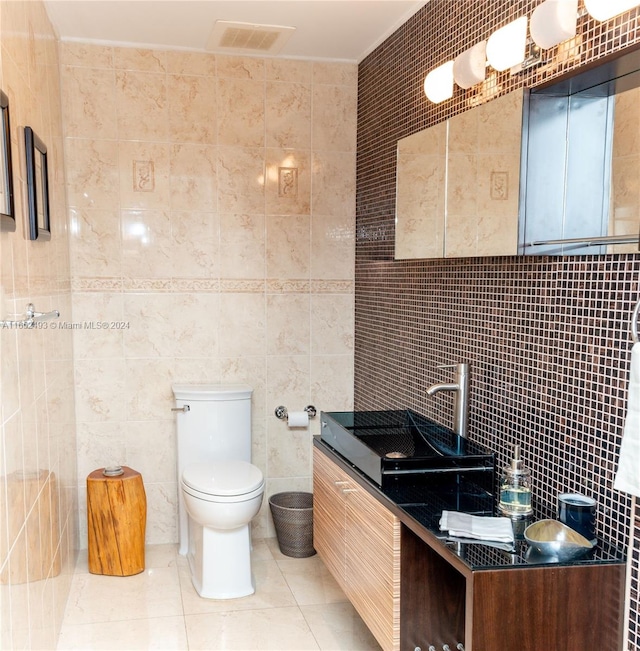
(248, 38)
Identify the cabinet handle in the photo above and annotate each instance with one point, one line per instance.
(340, 483)
(460, 646)
(349, 490)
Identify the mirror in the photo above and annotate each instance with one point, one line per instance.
(460, 191)
(420, 193)
(483, 185)
(581, 175)
(457, 189)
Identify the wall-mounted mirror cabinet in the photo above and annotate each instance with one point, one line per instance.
(552, 171)
(457, 191)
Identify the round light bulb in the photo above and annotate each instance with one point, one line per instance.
(438, 84)
(505, 47)
(553, 21)
(469, 68)
(605, 9)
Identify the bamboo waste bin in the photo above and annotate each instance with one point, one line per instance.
(116, 522)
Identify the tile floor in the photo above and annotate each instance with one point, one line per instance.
(297, 605)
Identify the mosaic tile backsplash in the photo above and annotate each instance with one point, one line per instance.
(547, 338)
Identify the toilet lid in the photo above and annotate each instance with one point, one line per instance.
(223, 477)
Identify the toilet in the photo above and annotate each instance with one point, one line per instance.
(220, 491)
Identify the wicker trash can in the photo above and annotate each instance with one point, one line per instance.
(292, 514)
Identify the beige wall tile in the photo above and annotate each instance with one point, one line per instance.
(331, 382)
(193, 177)
(332, 324)
(333, 183)
(288, 115)
(240, 107)
(38, 410)
(288, 324)
(289, 70)
(242, 246)
(191, 63)
(192, 109)
(241, 173)
(242, 325)
(144, 175)
(129, 58)
(288, 242)
(146, 243)
(100, 390)
(162, 324)
(96, 243)
(288, 182)
(197, 370)
(195, 238)
(188, 267)
(10, 373)
(335, 73)
(141, 105)
(333, 247)
(86, 55)
(334, 118)
(237, 67)
(89, 103)
(145, 400)
(158, 436)
(100, 445)
(93, 173)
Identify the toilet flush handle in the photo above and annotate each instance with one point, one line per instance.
(185, 409)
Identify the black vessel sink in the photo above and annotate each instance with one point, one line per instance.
(400, 446)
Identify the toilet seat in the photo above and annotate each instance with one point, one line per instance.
(223, 481)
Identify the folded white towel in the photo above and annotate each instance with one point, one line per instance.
(478, 527)
(628, 476)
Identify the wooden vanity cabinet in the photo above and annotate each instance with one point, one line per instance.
(359, 541)
(413, 591)
(573, 608)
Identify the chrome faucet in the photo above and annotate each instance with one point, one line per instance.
(461, 401)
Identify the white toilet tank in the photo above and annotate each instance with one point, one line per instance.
(217, 424)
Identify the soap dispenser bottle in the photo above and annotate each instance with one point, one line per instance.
(515, 489)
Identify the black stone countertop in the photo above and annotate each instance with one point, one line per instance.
(420, 506)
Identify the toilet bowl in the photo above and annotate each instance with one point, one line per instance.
(220, 490)
(221, 499)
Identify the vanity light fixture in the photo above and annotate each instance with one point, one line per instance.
(438, 84)
(506, 46)
(605, 9)
(470, 67)
(554, 21)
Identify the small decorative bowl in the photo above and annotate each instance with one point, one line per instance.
(557, 540)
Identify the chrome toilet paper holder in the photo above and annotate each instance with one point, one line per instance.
(282, 413)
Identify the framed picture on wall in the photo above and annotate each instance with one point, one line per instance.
(37, 186)
(7, 209)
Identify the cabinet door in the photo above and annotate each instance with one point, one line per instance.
(373, 565)
(329, 515)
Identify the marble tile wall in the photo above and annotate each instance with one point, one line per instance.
(38, 505)
(212, 217)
